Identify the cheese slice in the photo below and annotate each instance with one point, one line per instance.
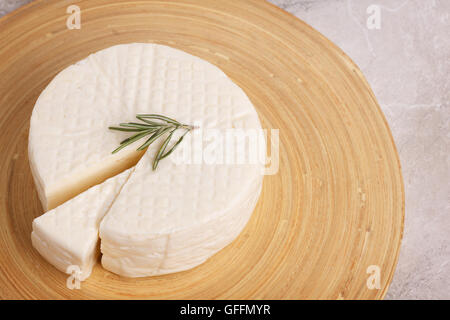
(162, 221)
(68, 235)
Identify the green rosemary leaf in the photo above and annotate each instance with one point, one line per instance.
(158, 117)
(119, 148)
(136, 137)
(136, 125)
(174, 146)
(148, 121)
(153, 129)
(153, 137)
(126, 129)
(162, 149)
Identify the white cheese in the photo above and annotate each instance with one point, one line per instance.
(68, 235)
(137, 255)
(162, 221)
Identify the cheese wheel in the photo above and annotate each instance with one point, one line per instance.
(164, 220)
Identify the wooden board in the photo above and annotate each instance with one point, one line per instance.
(334, 208)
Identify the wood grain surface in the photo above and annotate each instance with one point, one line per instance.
(335, 207)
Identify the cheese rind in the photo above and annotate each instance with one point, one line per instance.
(180, 250)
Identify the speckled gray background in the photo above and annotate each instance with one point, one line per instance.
(407, 63)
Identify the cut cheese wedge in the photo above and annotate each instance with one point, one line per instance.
(68, 235)
(162, 221)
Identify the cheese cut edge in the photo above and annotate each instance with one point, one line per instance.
(79, 182)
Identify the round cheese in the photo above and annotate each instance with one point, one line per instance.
(163, 220)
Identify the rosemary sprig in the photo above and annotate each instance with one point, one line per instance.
(155, 126)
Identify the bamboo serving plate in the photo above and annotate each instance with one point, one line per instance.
(335, 207)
